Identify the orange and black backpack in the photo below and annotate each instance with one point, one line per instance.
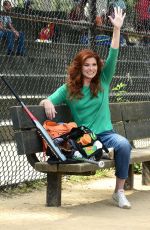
(71, 138)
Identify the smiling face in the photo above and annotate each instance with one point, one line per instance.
(89, 70)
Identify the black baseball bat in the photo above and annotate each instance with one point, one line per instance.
(55, 149)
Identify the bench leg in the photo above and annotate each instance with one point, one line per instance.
(146, 173)
(53, 197)
(130, 180)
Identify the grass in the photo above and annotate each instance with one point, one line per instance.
(99, 174)
(22, 188)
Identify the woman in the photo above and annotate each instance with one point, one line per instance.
(87, 95)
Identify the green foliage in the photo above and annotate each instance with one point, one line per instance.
(20, 3)
(138, 168)
(131, 3)
(119, 90)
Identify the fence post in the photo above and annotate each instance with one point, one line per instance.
(92, 30)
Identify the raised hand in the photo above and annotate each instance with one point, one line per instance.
(118, 19)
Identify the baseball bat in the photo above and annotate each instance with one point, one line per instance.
(77, 156)
(100, 164)
(54, 148)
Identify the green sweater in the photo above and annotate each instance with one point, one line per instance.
(93, 113)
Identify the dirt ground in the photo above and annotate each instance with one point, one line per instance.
(87, 205)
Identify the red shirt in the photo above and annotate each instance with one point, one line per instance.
(143, 9)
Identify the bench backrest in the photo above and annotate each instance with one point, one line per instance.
(136, 118)
(129, 119)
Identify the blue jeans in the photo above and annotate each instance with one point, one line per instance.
(10, 38)
(122, 149)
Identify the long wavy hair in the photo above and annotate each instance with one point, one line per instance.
(75, 77)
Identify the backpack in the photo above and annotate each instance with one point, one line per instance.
(73, 141)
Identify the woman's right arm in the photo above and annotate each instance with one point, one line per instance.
(57, 98)
(49, 108)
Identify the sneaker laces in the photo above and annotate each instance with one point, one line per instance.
(122, 197)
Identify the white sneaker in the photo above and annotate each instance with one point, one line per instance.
(121, 200)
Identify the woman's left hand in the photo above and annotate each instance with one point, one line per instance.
(118, 18)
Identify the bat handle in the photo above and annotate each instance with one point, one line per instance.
(101, 164)
(11, 89)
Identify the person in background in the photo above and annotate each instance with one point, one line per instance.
(86, 93)
(78, 32)
(8, 31)
(77, 13)
(142, 21)
(28, 5)
(125, 40)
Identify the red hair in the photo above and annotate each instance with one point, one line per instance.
(75, 76)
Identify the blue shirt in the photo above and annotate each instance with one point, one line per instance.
(5, 20)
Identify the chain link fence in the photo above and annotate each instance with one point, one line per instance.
(54, 32)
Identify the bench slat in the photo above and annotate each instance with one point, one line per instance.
(140, 155)
(71, 168)
(119, 128)
(116, 115)
(137, 155)
(137, 130)
(22, 121)
(28, 142)
(135, 110)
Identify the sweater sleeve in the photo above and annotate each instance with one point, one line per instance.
(110, 65)
(59, 96)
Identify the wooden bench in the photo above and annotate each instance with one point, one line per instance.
(131, 120)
